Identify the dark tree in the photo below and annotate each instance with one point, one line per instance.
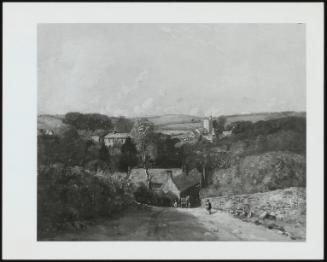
(104, 153)
(88, 121)
(219, 125)
(123, 125)
(128, 158)
(168, 155)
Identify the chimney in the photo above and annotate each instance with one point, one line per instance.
(170, 173)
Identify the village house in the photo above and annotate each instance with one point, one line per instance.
(96, 138)
(183, 135)
(226, 133)
(182, 186)
(115, 138)
(172, 184)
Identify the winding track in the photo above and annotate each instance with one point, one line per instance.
(172, 224)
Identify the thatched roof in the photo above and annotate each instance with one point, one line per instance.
(157, 175)
(160, 176)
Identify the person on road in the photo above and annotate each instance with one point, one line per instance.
(175, 203)
(208, 206)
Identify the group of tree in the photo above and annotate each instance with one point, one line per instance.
(94, 122)
(142, 134)
(145, 148)
(282, 134)
(123, 124)
(219, 125)
(88, 121)
(70, 194)
(247, 129)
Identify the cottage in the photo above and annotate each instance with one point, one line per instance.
(184, 185)
(226, 133)
(115, 138)
(169, 183)
(158, 176)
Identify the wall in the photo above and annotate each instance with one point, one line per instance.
(170, 186)
(284, 204)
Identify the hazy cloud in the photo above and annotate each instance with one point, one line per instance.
(137, 69)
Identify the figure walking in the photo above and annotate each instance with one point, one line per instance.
(208, 206)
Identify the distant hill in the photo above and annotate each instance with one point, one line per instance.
(178, 122)
(189, 122)
(174, 119)
(52, 122)
(254, 117)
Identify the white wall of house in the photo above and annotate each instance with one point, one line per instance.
(170, 186)
(114, 141)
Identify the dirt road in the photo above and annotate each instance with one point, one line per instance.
(176, 224)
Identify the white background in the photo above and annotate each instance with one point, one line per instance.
(20, 118)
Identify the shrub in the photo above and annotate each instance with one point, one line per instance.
(147, 196)
(88, 121)
(70, 194)
(260, 173)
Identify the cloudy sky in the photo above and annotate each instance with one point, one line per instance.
(153, 69)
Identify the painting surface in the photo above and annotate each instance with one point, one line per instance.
(171, 132)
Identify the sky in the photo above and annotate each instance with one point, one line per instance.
(154, 69)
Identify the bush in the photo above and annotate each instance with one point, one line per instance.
(248, 130)
(70, 194)
(259, 173)
(147, 196)
(88, 121)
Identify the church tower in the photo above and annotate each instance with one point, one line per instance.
(207, 125)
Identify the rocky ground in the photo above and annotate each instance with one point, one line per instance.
(283, 210)
(147, 223)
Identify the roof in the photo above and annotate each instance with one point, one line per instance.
(99, 132)
(158, 175)
(117, 135)
(184, 181)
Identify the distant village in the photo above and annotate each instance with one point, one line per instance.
(206, 131)
(169, 184)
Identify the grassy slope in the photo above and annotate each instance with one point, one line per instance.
(258, 173)
(262, 116)
(188, 122)
(52, 122)
(176, 121)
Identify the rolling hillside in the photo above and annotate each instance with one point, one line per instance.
(177, 122)
(254, 117)
(174, 119)
(188, 122)
(52, 122)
